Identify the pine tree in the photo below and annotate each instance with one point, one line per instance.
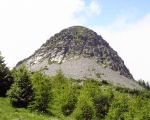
(5, 77)
(21, 92)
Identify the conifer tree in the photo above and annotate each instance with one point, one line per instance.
(42, 92)
(5, 77)
(21, 92)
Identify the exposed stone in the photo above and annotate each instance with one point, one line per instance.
(79, 41)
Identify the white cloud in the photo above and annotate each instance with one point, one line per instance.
(94, 8)
(132, 44)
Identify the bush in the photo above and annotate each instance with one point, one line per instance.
(21, 92)
(6, 79)
(42, 92)
(105, 82)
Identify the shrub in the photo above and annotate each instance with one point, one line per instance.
(105, 82)
(98, 75)
(21, 92)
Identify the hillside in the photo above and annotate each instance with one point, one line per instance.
(80, 53)
(71, 100)
(36, 96)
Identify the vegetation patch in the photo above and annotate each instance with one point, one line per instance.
(105, 82)
(98, 75)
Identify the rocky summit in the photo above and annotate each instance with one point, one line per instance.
(80, 53)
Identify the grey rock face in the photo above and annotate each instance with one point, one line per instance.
(74, 43)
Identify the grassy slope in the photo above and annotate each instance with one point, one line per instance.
(7, 112)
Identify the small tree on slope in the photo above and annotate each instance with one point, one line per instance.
(21, 92)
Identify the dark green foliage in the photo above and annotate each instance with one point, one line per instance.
(98, 75)
(127, 90)
(21, 91)
(145, 94)
(105, 82)
(5, 77)
(42, 92)
(144, 84)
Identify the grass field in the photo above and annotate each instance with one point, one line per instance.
(7, 112)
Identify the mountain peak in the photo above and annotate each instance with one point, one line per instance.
(71, 45)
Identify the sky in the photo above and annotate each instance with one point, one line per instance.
(125, 24)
